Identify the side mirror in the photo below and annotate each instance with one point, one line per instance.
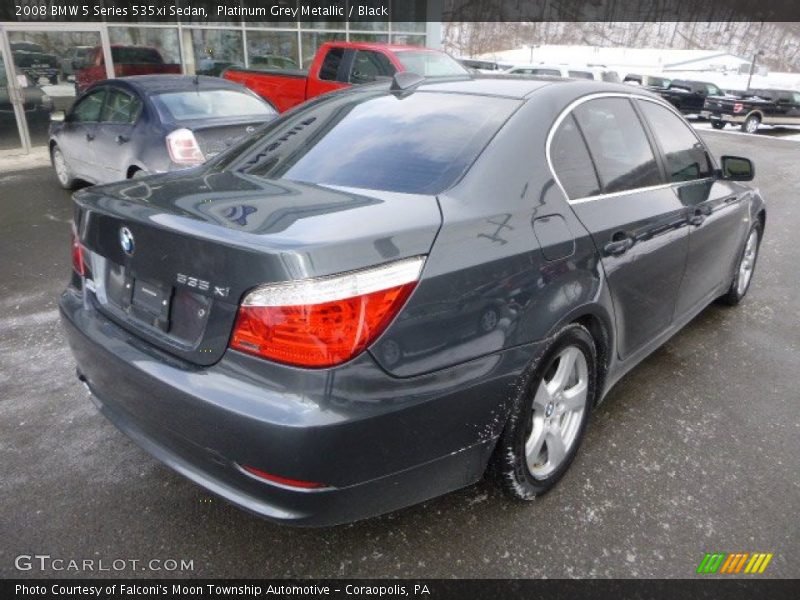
(58, 116)
(736, 168)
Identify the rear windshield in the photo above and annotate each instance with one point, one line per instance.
(430, 64)
(421, 143)
(205, 104)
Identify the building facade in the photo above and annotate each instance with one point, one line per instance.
(39, 61)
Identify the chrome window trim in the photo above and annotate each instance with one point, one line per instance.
(568, 110)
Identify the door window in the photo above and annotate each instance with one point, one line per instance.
(120, 107)
(330, 66)
(685, 155)
(571, 161)
(618, 144)
(369, 66)
(87, 110)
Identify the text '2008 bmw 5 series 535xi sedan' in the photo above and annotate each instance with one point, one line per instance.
(388, 290)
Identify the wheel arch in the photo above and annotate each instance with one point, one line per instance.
(597, 320)
(755, 112)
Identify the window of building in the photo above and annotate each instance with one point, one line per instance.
(273, 50)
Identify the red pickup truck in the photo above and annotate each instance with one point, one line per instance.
(342, 64)
(128, 60)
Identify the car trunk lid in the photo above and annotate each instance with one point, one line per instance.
(171, 256)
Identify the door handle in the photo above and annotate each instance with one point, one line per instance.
(620, 243)
(89, 137)
(121, 139)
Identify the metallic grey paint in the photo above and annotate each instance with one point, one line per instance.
(418, 414)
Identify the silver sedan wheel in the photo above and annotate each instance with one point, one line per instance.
(748, 263)
(60, 165)
(558, 407)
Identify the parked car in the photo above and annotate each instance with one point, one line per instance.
(652, 82)
(573, 72)
(339, 65)
(689, 96)
(135, 126)
(228, 318)
(753, 108)
(31, 60)
(33, 98)
(77, 58)
(128, 61)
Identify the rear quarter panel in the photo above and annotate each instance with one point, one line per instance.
(488, 248)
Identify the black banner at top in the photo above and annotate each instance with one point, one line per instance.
(276, 12)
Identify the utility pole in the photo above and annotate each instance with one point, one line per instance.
(753, 67)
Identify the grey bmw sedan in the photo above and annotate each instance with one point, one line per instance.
(391, 291)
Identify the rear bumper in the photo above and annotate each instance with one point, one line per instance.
(727, 118)
(379, 443)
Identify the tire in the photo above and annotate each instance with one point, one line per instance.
(138, 174)
(535, 410)
(718, 124)
(745, 268)
(63, 173)
(751, 124)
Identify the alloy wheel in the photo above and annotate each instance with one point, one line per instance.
(748, 263)
(558, 407)
(60, 165)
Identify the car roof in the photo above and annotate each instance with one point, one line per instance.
(158, 84)
(521, 87)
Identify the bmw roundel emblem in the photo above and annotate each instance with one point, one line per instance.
(126, 241)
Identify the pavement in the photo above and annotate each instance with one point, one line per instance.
(697, 450)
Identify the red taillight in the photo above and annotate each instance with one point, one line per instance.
(183, 148)
(326, 321)
(77, 254)
(285, 481)
(738, 107)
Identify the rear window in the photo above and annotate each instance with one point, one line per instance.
(430, 64)
(580, 75)
(421, 143)
(204, 104)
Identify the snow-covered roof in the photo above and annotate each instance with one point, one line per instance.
(649, 59)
